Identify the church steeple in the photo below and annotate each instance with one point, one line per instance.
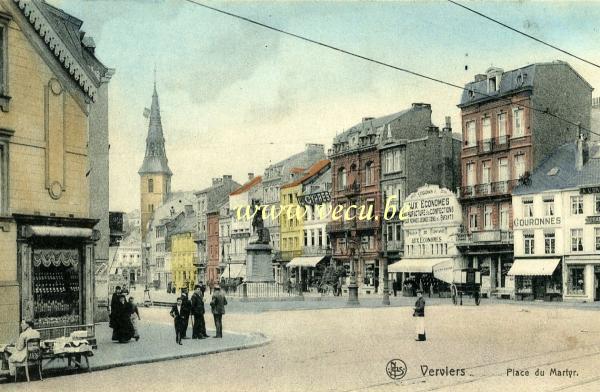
(155, 160)
(155, 175)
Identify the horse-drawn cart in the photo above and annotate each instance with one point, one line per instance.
(466, 282)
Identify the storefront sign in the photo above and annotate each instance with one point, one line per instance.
(592, 220)
(533, 222)
(431, 205)
(589, 190)
(314, 198)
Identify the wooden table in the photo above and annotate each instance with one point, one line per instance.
(74, 359)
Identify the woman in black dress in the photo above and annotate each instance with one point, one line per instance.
(123, 329)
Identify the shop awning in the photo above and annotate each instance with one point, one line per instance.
(533, 267)
(416, 265)
(234, 271)
(305, 261)
(444, 271)
(55, 231)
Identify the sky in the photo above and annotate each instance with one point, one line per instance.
(236, 97)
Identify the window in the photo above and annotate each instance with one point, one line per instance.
(549, 206)
(150, 185)
(529, 245)
(518, 130)
(4, 19)
(473, 219)
(502, 128)
(471, 136)
(576, 205)
(369, 173)
(470, 174)
(504, 217)
(486, 131)
(397, 160)
(151, 207)
(398, 232)
(527, 208)
(597, 235)
(486, 176)
(341, 180)
(320, 237)
(491, 85)
(487, 218)
(313, 237)
(502, 169)
(575, 281)
(576, 240)
(390, 232)
(597, 204)
(519, 166)
(3, 169)
(549, 243)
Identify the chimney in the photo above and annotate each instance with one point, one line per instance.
(250, 176)
(420, 105)
(579, 150)
(216, 181)
(315, 147)
(480, 77)
(189, 210)
(433, 132)
(448, 126)
(227, 178)
(365, 119)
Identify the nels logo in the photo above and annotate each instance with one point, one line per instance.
(396, 369)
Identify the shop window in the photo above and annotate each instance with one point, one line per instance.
(549, 206)
(576, 240)
(576, 205)
(529, 243)
(597, 235)
(549, 243)
(576, 282)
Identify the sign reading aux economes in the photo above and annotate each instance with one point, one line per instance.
(431, 205)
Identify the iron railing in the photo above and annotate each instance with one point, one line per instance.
(490, 189)
(485, 236)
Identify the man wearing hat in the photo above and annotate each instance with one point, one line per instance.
(217, 305)
(199, 328)
(419, 315)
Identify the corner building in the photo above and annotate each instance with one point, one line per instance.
(503, 141)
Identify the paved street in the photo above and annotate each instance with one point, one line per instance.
(348, 349)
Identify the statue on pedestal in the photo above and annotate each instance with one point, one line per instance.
(262, 234)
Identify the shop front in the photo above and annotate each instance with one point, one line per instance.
(582, 278)
(537, 278)
(56, 263)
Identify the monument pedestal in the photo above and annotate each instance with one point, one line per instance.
(259, 266)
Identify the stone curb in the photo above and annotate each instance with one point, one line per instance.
(266, 341)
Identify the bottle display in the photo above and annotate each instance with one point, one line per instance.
(56, 293)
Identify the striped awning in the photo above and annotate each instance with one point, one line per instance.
(305, 261)
(533, 267)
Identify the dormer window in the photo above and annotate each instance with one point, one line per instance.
(492, 84)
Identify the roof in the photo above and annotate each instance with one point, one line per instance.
(177, 200)
(558, 171)
(63, 36)
(155, 159)
(247, 186)
(282, 169)
(188, 224)
(311, 172)
(512, 81)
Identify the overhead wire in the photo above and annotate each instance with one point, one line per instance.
(378, 62)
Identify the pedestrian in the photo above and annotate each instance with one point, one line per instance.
(134, 315)
(217, 305)
(177, 319)
(395, 287)
(186, 307)
(122, 327)
(376, 283)
(199, 325)
(419, 315)
(114, 303)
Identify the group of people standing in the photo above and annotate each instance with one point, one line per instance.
(184, 308)
(124, 316)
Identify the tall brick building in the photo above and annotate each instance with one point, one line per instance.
(503, 140)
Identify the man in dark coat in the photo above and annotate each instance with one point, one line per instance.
(199, 328)
(176, 313)
(419, 315)
(114, 305)
(217, 305)
(186, 307)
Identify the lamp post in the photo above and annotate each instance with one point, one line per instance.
(147, 300)
(229, 266)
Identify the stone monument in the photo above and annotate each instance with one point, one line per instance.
(258, 252)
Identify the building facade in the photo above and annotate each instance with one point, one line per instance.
(52, 96)
(128, 259)
(557, 226)
(503, 141)
(183, 252)
(213, 268)
(356, 170)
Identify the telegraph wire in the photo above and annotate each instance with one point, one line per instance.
(397, 68)
(524, 34)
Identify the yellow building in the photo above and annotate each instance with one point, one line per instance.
(52, 100)
(183, 251)
(291, 224)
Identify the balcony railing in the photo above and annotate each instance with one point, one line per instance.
(316, 251)
(490, 189)
(395, 245)
(492, 145)
(485, 237)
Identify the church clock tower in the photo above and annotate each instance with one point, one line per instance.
(155, 175)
